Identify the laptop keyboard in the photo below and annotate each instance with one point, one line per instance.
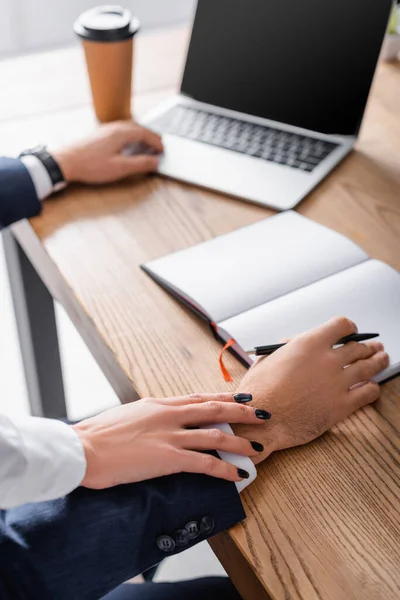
(267, 143)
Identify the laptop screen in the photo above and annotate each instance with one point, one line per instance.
(308, 63)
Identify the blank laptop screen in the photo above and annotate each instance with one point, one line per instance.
(308, 63)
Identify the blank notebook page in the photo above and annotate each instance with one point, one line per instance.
(236, 272)
(369, 294)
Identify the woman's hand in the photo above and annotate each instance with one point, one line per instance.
(101, 158)
(155, 437)
(308, 386)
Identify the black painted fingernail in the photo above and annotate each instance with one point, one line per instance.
(243, 398)
(243, 474)
(263, 414)
(257, 447)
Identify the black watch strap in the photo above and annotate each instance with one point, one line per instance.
(50, 164)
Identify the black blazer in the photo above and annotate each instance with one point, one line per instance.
(86, 544)
(18, 198)
(82, 546)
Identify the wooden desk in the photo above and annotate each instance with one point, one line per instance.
(324, 520)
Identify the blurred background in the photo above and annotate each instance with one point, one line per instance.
(32, 25)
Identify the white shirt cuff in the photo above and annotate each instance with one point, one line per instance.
(40, 177)
(54, 461)
(241, 462)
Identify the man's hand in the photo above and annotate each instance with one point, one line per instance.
(100, 158)
(308, 386)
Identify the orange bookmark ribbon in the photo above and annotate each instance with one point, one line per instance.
(224, 370)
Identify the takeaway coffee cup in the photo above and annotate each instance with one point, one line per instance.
(107, 34)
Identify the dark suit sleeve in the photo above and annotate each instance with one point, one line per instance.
(88, 543)
(18, 199)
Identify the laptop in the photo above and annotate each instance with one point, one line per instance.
(273, 95)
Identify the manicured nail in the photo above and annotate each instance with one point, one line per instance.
(243, 398)
(257, 447)
(243, 474)
(263, 414)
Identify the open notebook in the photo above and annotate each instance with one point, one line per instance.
(280, 277)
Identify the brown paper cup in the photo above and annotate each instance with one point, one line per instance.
(107, 35)
(110, 73)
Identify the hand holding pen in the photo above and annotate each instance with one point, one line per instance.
(355, 337)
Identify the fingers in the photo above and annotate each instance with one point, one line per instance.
(364, 370)
(363, 395)
(129, 132)
(196, 399)
(150, 138)
(335, 329)
(352, 352)
(136, 165)
(215, 439)
(196, 462)
(221, 412)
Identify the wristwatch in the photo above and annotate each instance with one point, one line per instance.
(50, 164)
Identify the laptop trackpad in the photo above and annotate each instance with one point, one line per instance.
(234, 174)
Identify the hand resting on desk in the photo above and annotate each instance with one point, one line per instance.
(308, 386)
(102, 158)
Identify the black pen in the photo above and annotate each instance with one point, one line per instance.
(355, 337)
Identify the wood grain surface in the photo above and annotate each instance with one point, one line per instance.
(323, 520)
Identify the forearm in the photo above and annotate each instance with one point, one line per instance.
(18, 197)
(86, 544)
(24, 183)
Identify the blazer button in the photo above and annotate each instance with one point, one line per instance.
(165, 543)
(207, 524)
(193, 529)
(182, 537)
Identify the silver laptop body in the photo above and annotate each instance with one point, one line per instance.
(282, 181)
